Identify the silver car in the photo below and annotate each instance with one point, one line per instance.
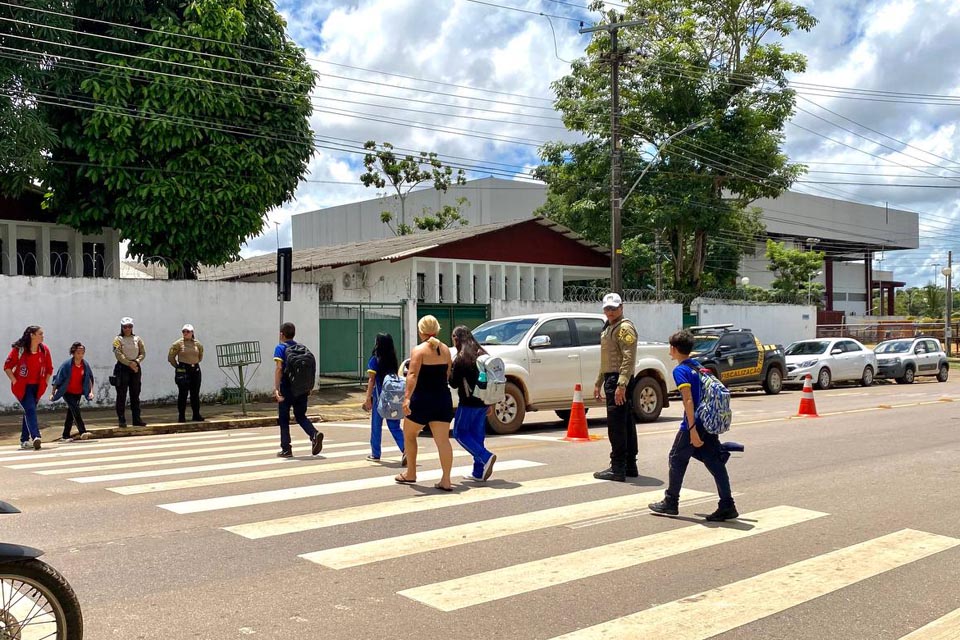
(829, 360)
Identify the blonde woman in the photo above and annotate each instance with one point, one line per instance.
(427, 401)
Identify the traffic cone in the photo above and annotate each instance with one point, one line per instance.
(808, 408)
(577, 426)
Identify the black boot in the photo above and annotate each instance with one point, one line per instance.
(665, 507)
(610, 473)
(632, 471)
(724, 513)
(181, 418)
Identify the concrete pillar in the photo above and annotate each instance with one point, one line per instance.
(43, 249)
(76, 254)
(8, 256)
(828, 278)
(111, 253)
(467, 285)
(556, 285)
(482, 293)
(512, 283)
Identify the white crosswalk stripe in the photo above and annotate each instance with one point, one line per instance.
(719, 610)
(86, 448)
(414, 543)
(540, 574)
(312, 491)
(189, 460)
(945, 628)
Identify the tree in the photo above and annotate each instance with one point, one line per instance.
(448, 216)
(403, 174)
(690, 60)
(180, 124)
(25, 135)
(795, 270)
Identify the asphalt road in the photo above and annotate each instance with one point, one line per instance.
(849, 529)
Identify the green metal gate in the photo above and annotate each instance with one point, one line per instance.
(347, 335)
(452, 315)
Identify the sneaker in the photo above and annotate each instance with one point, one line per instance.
(664, 507)
(285, 453)
(488, 467)
(610, 474)
(36, 444)
(472, 478)
(317, 443)
(727, 513)
(26, 445)
(62, 439)
(85, 435)
(373, 459)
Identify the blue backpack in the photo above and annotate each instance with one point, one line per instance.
(713, 413)
(390, 402)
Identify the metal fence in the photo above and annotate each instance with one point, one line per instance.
(879, 331)
(347, 335)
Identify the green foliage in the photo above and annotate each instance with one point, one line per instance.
(691, 60)
(795, 270)
(180, 144)
(402, 174)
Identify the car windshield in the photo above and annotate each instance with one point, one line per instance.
(807, 348)
(704, 343)
(894, 346)
(503, 331)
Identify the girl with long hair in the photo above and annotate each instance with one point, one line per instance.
(427, 401)
(73, 382)
(29, 367)
(382, 361)
(470, 421)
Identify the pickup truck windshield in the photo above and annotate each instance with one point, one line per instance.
(704, 343)
(503, 331)
(894, 346)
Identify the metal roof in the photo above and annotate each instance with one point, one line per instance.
(371, 251)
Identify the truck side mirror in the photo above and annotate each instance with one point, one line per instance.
(539, 342)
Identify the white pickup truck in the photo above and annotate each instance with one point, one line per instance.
(547, 354)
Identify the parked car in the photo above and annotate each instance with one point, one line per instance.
(738, 358)
(829, 360)
(546, 354)
(905, 359)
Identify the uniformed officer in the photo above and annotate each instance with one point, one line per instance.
(618, 356)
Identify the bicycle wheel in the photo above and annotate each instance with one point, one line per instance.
(37, 602)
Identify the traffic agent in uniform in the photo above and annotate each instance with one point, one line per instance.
(618, 356)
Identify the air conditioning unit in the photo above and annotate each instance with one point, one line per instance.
(354, 279)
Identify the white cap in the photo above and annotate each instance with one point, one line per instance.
(126, 321)
(187, 327)
(612, 301)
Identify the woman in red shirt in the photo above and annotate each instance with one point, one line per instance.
(29, 367)
(73, 381)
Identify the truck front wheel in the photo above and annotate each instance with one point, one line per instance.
(508, 413)
(647, 399)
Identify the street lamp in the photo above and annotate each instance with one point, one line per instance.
(616, 257)
(948, 294)
(810, 277)
(745, 281)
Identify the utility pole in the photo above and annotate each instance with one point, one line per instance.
(948, 272)
(616, 251)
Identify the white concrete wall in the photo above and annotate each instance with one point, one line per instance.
(654, 321)
(777, 324)
(89, 310)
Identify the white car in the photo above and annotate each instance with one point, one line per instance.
(830, 360)
(546, 354)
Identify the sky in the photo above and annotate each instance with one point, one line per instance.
(470, 79)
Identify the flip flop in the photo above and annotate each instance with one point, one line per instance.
(402, 479)
(442, 488)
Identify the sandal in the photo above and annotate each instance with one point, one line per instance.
(402, 479)
(442, 488)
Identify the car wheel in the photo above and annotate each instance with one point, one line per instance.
(943, 374)
(824, 379)
(508, 413)
(867, 378)
(908, 376)
(647, 399)
(564, 415)
(773, 383)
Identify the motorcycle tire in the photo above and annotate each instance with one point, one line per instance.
(49, 599)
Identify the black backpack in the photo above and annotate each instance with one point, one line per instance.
(300, 369)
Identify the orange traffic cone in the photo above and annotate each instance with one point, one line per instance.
(577, 426)
(808, 408)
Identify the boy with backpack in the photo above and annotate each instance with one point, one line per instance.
(293, 379)
(697, 441)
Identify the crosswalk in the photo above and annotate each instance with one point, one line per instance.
(221, 475)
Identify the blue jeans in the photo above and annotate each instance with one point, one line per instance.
(469, 429)
(30, 429)
(376, 428)
(299, 406)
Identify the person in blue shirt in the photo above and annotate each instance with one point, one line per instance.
(693, 442)
(382, 362)
(286, 400)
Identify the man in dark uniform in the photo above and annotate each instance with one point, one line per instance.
(618, 357)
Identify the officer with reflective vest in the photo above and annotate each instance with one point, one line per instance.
(618, 356)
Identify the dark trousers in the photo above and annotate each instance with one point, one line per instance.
(710, 454)
(192, 387)
(299, 406)
(73, 414)
(128, 380)
(621, 428)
